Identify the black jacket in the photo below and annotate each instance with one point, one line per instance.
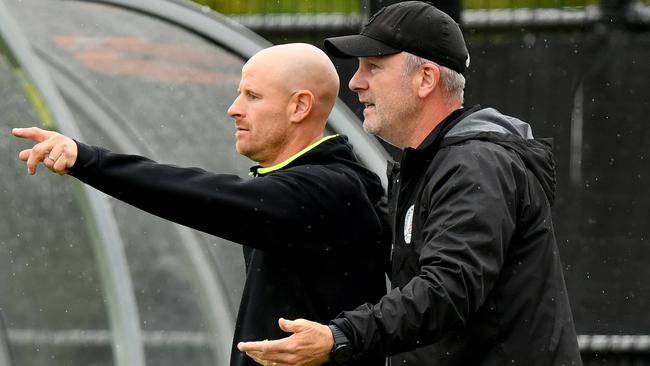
(312, 227)
(476, 275)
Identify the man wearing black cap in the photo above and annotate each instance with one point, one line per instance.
(476, 275)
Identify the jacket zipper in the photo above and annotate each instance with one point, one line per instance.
(397, 185)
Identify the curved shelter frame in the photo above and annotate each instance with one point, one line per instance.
(79, 104)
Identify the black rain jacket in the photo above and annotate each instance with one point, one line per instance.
(476, 274)
(312, 227)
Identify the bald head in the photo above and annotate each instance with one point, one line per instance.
(285, 96)
(299, 66)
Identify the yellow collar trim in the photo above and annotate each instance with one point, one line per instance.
(294, 157)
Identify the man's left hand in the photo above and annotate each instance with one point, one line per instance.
(310, 345)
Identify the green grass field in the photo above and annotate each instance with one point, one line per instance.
(354, 6)
(282, 6)
(506, 4)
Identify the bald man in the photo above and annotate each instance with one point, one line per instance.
(310, 219)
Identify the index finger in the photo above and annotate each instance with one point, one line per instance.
(261, 346)
(32, 133)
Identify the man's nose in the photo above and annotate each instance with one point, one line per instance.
(357, 83)
(235, 110)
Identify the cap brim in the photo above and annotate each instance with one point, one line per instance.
(357, 45)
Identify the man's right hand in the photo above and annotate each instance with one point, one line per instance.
(56, 151)
(309, 345)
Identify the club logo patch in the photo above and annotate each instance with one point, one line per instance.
(408, 224)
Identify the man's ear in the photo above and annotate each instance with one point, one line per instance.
(301, 104)
(429, 79)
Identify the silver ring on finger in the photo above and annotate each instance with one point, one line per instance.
(51, 158)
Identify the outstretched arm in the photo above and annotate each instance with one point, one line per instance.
(57, 152)
(296, 203)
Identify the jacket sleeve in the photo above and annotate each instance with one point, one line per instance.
(470, 222)
(293, 208)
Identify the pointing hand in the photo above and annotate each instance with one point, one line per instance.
(56, 151)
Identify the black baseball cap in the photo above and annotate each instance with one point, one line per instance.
(416, 27)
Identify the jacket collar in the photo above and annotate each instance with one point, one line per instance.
(432, 141)
(259, 170)
(412, 159)
(427, 149)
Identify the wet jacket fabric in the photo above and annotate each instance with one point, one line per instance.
(476, 275)
(311, 226)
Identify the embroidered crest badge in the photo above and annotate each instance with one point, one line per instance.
(408, 224)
